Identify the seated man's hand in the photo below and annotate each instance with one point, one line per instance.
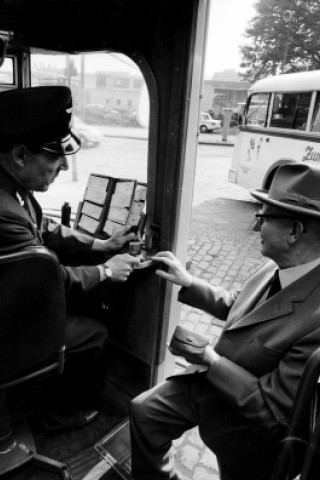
(207, 357)
(177, 273)
(121, 266)
(113, 244)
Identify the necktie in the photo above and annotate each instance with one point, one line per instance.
(275, 285)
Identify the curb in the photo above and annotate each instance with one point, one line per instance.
(224, 143)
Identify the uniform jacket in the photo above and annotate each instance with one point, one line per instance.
(20, 227)
(263, 347)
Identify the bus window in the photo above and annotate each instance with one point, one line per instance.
(315, 127)
(302, 111)
(290, 110)
(7, 72)
(257, 112)
(110, 102)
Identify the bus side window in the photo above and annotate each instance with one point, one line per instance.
(315, 127)
(302, 111)
(284, 106)
(290, 110)
(257, 110)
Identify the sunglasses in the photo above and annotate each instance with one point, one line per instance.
(262, 218)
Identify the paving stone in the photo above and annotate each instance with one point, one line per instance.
(189, 456)
(208, 460)
(203, 265)
(215, 330)
(189, 325)
(206, 318)
(201, 328)
(201, 473)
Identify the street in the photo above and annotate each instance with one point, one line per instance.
(123, 153)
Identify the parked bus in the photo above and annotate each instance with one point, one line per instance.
(281, 124)
(68, 42)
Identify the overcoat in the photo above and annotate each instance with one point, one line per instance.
(264, 347)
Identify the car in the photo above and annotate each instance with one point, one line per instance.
(89, 136)
(94, 113)
(207, 124)
(111, 117)
(120, 117)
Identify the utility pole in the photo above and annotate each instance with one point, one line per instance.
(287, 17)
(69, 71)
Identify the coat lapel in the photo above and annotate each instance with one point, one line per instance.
(281, 304)
(253, 290)
(34, 210)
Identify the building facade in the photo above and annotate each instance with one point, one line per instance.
(224, 90)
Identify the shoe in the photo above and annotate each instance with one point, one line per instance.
(62, 422)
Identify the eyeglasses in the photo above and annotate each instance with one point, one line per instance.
(262, 218)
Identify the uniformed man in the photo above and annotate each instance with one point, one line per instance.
(35, 141)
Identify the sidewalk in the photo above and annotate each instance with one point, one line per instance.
(214, 138)
(224, 251)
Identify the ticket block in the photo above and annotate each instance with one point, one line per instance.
(125, 188)
(96, 196)
(88, 224)
(98, 183)
(120, 201)
(140, 193)
(111, 227)
(137, 207)
(91, 210)
(118, 215)
(133, 219)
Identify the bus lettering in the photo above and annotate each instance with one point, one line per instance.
(311, 155)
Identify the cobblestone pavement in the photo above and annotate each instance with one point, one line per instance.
(224, 250)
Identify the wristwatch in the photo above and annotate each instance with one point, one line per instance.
(108, 272)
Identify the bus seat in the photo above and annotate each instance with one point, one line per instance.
(300, 448)
(33, 318)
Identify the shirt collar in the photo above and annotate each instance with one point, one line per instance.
(290, 275)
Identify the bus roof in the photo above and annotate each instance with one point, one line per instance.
(290, 82)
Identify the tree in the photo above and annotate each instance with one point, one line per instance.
(282, 37)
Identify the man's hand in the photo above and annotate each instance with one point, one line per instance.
(121, 266)
(114, 243)
(177, 273)
(207, 357)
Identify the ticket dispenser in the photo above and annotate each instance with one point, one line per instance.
(109, 204)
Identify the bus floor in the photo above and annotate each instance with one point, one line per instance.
(76, 448)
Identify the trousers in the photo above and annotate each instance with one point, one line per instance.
(163, 413)
(83, 378)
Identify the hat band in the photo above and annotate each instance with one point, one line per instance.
(63, 146)
(292, 198)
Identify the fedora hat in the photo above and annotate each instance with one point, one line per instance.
(38, 116)
(295, 187)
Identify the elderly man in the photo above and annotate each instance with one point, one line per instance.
(35, 140)
(242, 401)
